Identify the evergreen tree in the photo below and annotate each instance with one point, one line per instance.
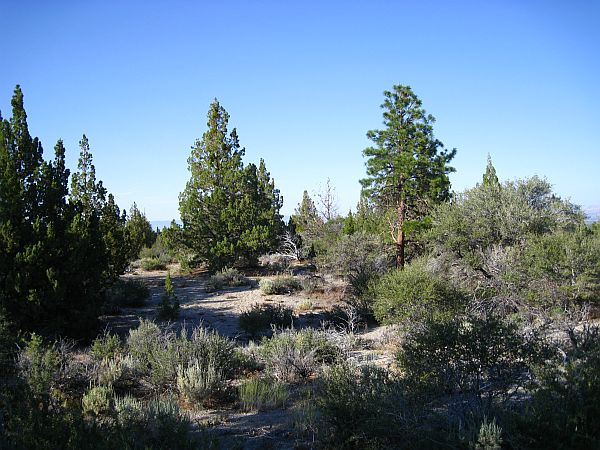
(84, 187)
(407, 169)
(139, 232)
(229, 212)
(349, 225)
(49, 266)
(100, 213)
(306, 217)
(489, 177)
(112, 227)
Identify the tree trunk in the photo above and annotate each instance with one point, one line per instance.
(400, 241)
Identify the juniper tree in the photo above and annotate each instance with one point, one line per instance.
(229, 212)
(407, 169)
(50, 264)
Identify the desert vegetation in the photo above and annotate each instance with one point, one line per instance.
(426, 318)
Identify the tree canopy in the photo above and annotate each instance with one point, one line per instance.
(230, 212)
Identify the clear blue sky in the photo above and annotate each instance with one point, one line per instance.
(303, 82)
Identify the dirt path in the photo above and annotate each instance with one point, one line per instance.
(216, 310)
(220, 311)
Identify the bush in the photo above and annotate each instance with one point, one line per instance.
(226, 278)
(366, 408)
(259, 318)
(98, 401)
(201, 382)
(159, 354)
(157, 424)
(280, 285)
(169, 306)
(257, 394)
(106, 346)
(151, 264)
(39, 366)
(119, 372)
(479, 360)
(413, 294)
(291, 355)
(566, 404)
(125, 293)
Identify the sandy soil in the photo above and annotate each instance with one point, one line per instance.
(220, 311)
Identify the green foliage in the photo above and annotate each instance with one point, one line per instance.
(259, 318)
(125, 293)
(98, 401)
(152, 264)
(228, 277)
(230, 212)
(568, 263)
(365, 408)
(279, 285)
(257, 394)
(566, 405)
(201, 382)
(158, 354)
(138, 231)
(515, 246)
(407, 170)
(412, 294)
(56, 257)
(39, 365)
(479, 359)
(292, 355)
(157, 424)
(169, 306)
(490, 435)
(106, 346)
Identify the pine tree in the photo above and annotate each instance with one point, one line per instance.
(229, 212)
(407, 169)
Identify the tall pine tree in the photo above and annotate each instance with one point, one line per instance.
(407, 169)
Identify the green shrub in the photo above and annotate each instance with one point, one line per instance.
(259, 318)
(156, 424)
(228, 277)
(159, 354)
(280, 285)
(478, 359)
(257, 394)
(151, 264)
(411, 294)
(365, 408)
(490, 436)
(566, 404)
(119, 372)
(291, 355)
(125, 293)
(106, 346)
(207, 345)
(169, 305)
(98, 401)
(201, 382)
(141, 341)
(39, 366)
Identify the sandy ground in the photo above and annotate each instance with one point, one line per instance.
(220, 311)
